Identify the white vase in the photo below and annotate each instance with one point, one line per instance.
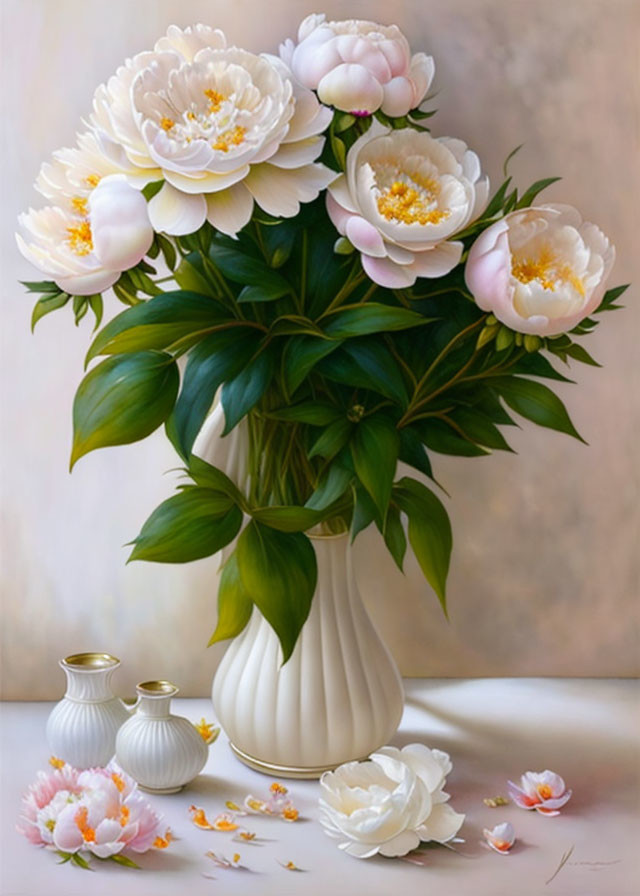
(161, 751)
(339, 697)
(82, 727)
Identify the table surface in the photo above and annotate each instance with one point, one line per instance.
(494, 729)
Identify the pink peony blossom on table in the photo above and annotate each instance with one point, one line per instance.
(98, 811)
(545, 792)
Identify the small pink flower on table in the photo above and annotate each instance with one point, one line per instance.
(545, 792)
(500, 838)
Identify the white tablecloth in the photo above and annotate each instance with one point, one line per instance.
(494, 729)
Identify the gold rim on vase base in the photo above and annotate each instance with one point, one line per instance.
(281, 771)
(159, 688)
(95, 661)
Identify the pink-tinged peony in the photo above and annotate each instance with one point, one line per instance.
(402, 198)
(44, 800)
(97, 811)
(545, 792)
(500, 838)
(540, 270)
(359, 66)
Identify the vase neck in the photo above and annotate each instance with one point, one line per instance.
(89, 676)
(155, 699)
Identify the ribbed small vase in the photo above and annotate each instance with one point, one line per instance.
(162, 752)
(339, 697)
(82, 727)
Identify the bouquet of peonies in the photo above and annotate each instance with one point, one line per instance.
(289, 228)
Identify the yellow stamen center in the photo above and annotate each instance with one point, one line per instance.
(224, 823)
(80, 818)
(247, 835)
(290, 813)
(215, 99)
(50, 824)
(236, 857)
(166, 123)
(79, 205)
(125, 812)
(408, 204)
(227, 139)
(80, 239)
(204, 729)
(118, 781)
(92, 180)
(55, 762)
(545, 791)
(548, 270)
(278, 788)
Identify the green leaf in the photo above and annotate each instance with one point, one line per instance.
(150, 190)
(332, 486)
(610, 296)
(123, 400)
(364, 511)
(335, 437)
(535, 402)
(219, 357)
(578, 353)
(527, 197)
(245, 390)
(195, 523)
(234, 603)
(279, 571)
(40, 286)
(394, 536)
(513, 152)
(241, 268)
(168, 250)
(64, 856)
(374, 449)
(300, 356)
(537, 365)
(119, 859)
(311, 412)
(286, 518)
(97, 306)
(80, 307)
(497, 200)
(429, 533)
(368, 364)
(504, 338)
(339, 150)
(440, 437)
(343, 121)
(278, 240)
(48, 303)
(190, 275)
(208, 476)
(80, 861)
(158, 323)
(412, 452)
(265, 292)
(479, 428)
(142, 282)
(370, 318)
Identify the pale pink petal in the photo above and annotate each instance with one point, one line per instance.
(421, 73)
(398, 97)
(386, 273)
(438, 261)
(339, 215)
(353, 48)
(351, 88)
(365, 237)
(311, 63)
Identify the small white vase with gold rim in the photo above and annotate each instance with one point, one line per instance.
(161, 751)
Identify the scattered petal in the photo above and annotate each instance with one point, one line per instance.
(290, 866)
(207, 731)
(495, 801)
(199, 818)
(163, 842)
(290, 813)
(500, 838)
(56, 763)
(225, 822)
(223, 861)
(278, 788)
(234, 807)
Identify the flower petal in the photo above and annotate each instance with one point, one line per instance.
(175, 212)
(229, 210)
(365, 237)
(279, 192)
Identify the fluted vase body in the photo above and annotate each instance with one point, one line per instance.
(82, 727)
(161, 751)
(339, 697)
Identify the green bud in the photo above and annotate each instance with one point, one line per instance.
(486, 335)
(355, 413)
(519, 338)
(279, 257)
(504, 338)
(342, 246)
(491, 321)
(532, 343)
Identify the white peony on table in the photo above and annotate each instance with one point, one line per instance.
(586, 730)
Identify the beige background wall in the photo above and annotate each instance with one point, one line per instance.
(545, 567)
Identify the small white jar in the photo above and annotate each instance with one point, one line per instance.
(162, 752)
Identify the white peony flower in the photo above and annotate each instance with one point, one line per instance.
(222, 126)
(85, 248)
(389, 803)
(402, 197)
(359, 66)
(540, 270)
